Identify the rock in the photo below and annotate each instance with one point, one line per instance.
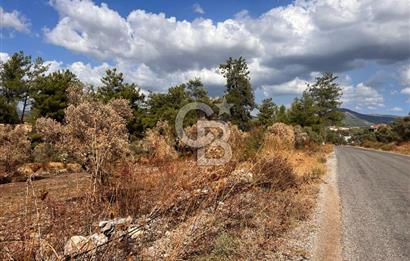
(75, 245)
(98, 239)
(79, 244)
(108, 227)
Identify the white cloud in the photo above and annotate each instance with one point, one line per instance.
(14, 20)
(295, 87)
(396, 109)
(362, 95)
(405, 75)
(405, 91)
(4, 57)
(198, 9)
(281, 44)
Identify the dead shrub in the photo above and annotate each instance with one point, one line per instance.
(157, 143)
(94, 134)
(14, 147)
(274, 173)
(279, 136)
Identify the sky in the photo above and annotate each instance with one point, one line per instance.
(161, 43)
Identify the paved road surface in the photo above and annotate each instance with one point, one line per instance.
(374, 189)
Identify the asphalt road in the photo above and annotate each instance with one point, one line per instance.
(374, 188)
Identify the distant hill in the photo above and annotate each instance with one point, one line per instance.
(355, 119)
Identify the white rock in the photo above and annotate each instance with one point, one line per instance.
(107, 227)
(98, 239)
(76, 244)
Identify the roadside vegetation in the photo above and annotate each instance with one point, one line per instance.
(93, 153)
(394, 136)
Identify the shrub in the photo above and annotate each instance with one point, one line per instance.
(385, 134)
(157, 143)
(335, 138)
(402, 127)
(94, 134)
(252, 144)
(279, 136)
(274, 173)
(14, 147)
(45, 152)
(224, 246)
(302, 138)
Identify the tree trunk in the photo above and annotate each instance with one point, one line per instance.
(24, 109)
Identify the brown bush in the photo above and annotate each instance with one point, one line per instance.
(14, 147)
(279, 136)
(94, 134)
(158, 143)
(274, 173)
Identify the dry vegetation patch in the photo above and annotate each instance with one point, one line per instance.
(182, 210)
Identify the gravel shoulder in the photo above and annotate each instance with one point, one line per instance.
(327, 239)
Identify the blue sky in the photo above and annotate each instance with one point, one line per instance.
(158, 44)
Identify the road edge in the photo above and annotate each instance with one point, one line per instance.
(327, 244)
(377, 150)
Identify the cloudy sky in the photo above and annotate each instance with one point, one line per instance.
(160, 43)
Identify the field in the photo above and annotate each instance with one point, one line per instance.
(179, 209)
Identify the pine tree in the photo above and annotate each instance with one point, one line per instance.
(326, 95)
(50, 96)
(239, 91)
(303, 112)
(267, 111)
(282, 115)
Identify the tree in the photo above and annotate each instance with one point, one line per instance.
(165, 106)
(303, 112)
(267, 110)
(326, 94)
(401, 126)
(18, 75)
(282, 115)
(34, 77)
(8, 112)
(115, 87)
(239, 91)
(196, 91)
(50, 95)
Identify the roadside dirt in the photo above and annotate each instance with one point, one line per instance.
(327, 242)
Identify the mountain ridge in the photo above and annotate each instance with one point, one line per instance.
(356, 119)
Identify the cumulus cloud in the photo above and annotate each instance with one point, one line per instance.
(280, 45)
(362, 96)
(4, 57)
(198, 9)
(396, 109)
(14, 20)
(293, 87)
(405, 91)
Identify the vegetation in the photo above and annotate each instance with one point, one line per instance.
(131, 163)
(239, 91)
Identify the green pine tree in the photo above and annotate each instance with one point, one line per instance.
(239, 91)
(267, 112)
(326, 95)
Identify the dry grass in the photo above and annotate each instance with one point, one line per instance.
(403, 148)
(236, 211)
